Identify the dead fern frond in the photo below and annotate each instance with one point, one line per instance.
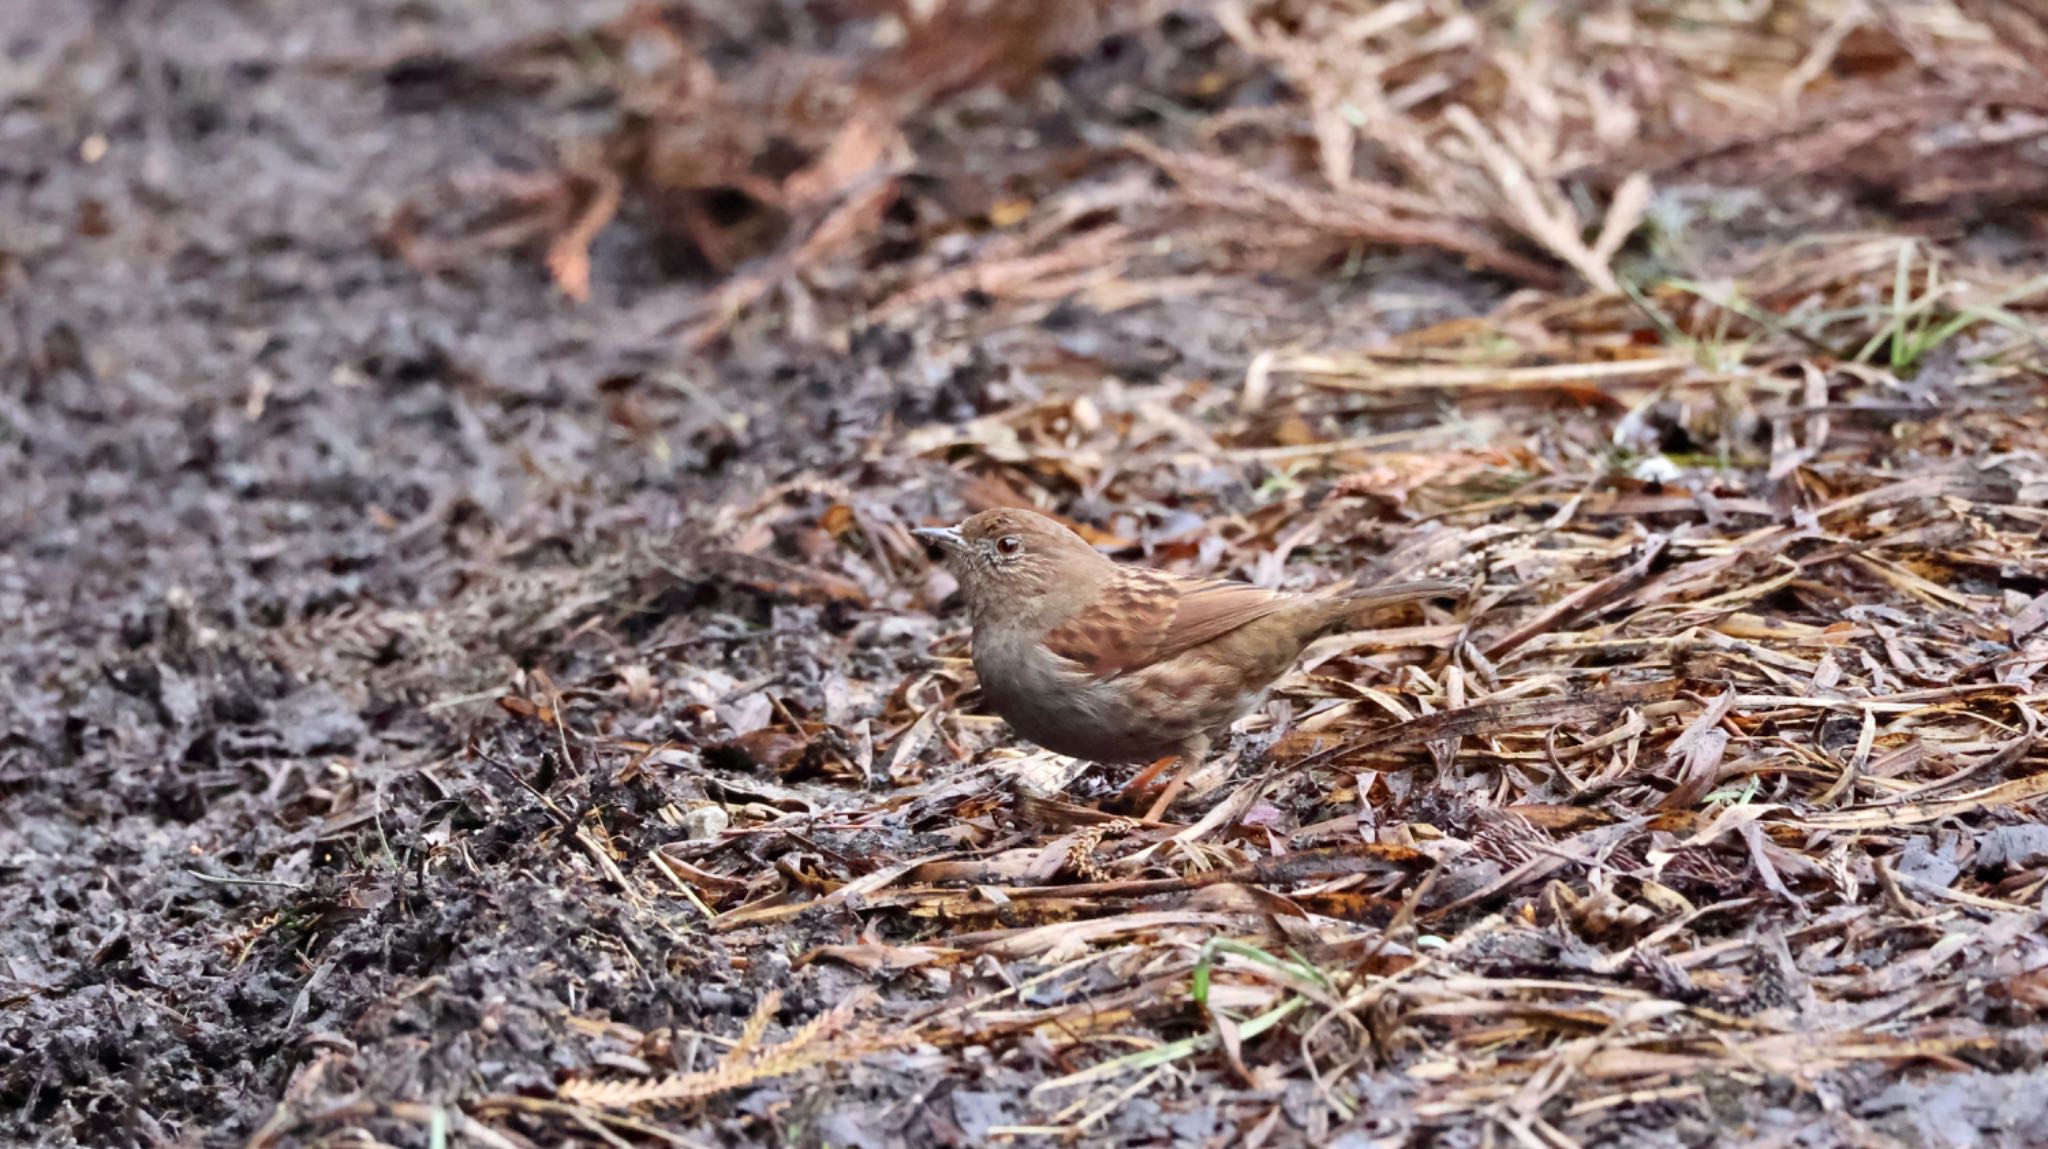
(756, 1027)
(823, 1039)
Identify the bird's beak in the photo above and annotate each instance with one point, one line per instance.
(946, 538)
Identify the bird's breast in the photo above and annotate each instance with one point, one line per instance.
(1052, 702)
(1137, 717)
(1018, 675)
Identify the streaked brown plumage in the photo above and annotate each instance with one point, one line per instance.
(1114, 663)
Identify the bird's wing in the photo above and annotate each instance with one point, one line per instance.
(1145, 617)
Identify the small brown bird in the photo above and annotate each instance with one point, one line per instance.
(1113, 663)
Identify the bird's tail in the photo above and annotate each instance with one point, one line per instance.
(1357, 598)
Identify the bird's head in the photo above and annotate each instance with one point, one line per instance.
(1016, 563)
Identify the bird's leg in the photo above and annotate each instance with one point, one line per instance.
(1140, 784)
(1191, 754)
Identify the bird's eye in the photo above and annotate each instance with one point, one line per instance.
(1009, 544)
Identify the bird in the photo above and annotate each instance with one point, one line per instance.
(1115, 663)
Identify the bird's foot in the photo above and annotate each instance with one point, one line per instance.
(1174, 785)
(1143, 788)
